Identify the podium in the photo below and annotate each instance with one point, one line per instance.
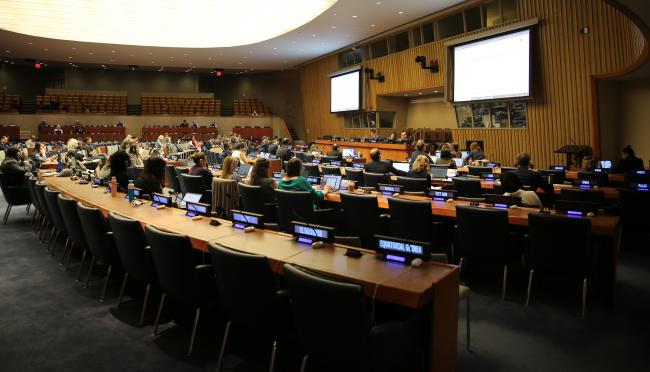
(574, 154)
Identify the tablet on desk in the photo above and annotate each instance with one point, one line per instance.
(334, 181)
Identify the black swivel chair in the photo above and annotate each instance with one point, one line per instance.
(355, 175)
(637, 178)
(560, 246)
(634, 206)
(57, 218)
(172, 178)
(39, 190)
(101, 243)
(468, 188)
(180, 277)
(310, 170)
(360, 217)
(299, 206)
(179, 171)
(411, 184)
(482, 241)
(556, 176)
(343, 338)
(248, 296)
(195, 185)
(413, 220)
(254, 200)
(68, 208)
(134, 172)
(135, 256)
(14, 195)
(596, 197)
(30, 182)
(331, 170)
(329, 159)
(373, 179)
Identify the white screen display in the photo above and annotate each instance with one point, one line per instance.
(345, 92)
(493, 68)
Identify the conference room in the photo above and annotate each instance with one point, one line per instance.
(324, 185)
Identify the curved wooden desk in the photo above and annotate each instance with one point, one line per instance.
(433, 287)
(394, 151)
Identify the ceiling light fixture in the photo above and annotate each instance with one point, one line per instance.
(215, 23)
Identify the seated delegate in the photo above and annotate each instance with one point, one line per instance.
(261, 175)
(420, 168)
(529, 177)
(294, 181)
(153, 176)
(379, 166)
(512, 187)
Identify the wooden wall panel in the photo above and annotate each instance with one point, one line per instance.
(563, 108)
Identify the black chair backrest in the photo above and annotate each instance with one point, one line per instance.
(476, 171)
(482, 234)
(15, 194)
(414, 184)
(174, 263)
(172, 178)
(559, 244)
(53, 206)
(192, 184)
(134, 172)
(68, 208)
(331, 169)
(328, 159)
(30, 181)
(602, 178)
(634, 207)
(467, 188)
(637, 178)
(591, 196)
(95, 228)
(373, 179)
(246, 286)
(360, 215)
(294, 206)
(310, 170)
(40, 194)
(355, 175)
(131, 247)
(340, 336)
(410, 219)
(252, 199)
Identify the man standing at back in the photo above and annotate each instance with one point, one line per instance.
(14, 167)
(284, 152)
(529, 177)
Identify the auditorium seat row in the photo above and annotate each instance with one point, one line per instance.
(81, 103)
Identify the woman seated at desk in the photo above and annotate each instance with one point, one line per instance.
(229, 169)
(153, 176)
(293, 181)
(200, 168)
(421, 168)
(261, 176)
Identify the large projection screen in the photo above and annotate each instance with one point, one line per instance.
(493, 68)
(345, 91)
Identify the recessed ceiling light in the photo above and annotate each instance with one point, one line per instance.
(314, 35)
(74, 48)
(30, 43)
(171, 57)
(435, 91)
(378, 3)
(112, 51)
(245, 57)
(420, 93)
(45, 49)
(69, 57)
(7, 51)
(210, 58)
(354, 16)
(347, 35)
(90, 53)
(400, 12)
(332, 26)
(210, 26)
(186, 54)
(406, 94)
(275, 48)
(372, 25)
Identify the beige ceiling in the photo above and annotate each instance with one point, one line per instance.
(344, 24)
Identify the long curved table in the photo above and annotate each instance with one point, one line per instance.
(432, 287)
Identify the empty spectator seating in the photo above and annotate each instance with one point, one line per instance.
(98, 133)
(161, 105)
(202, 133)
(246, 107)
(81, 103)
(9, 102)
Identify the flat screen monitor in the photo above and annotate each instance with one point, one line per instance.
(216, 167)
(243, 170)
(313, 180)
(464, 154)
(197, 209)
(401, 250)
(334, 181)
(345, 90)
(403, 166)
(358, 165)
(495, 67)
(459, 162)
(347, 153)
(277, 176)
(242, 220)
(606, 164)
(309, 233)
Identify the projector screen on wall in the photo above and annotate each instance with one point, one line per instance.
(497, 67)
(345, 91)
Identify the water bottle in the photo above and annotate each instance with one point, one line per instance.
(131, 191)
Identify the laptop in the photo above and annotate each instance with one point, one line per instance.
(243, 170)
(189, 197)
(403, 166)
(347, 153)
(277, 176)
(334, 181)
(459, 162)
(606, 164)
(438, 172)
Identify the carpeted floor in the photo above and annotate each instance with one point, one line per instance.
(48, 322)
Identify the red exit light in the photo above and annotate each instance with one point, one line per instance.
(37, 65)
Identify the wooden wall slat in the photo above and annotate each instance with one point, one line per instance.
(565, 61)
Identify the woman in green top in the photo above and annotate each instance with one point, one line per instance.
(293, 181)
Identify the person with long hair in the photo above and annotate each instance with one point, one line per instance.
(229, 169)
(475, 153)
(420, 168)
(200, 168)
(261, 176)
(153, 177)
(294, 181)
(38, 155)
(119, 164)
(629, 162)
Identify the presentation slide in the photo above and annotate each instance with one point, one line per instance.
(494, 68)
(345, 92)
